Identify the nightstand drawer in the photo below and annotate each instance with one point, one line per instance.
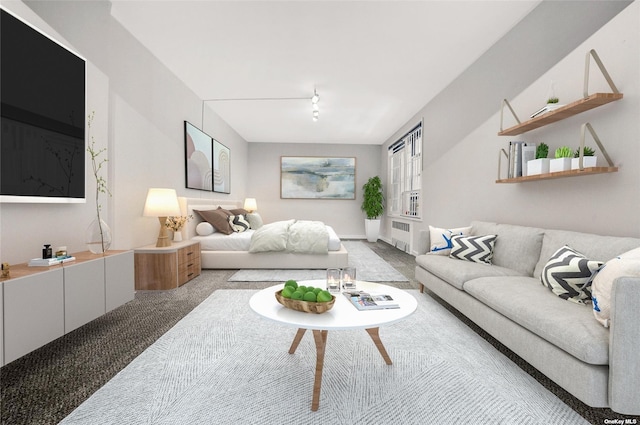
(188, 254)
(167, 267)
(188, 271)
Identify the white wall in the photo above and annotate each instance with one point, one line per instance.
(139, 112)
(263, 183)
(459, 179)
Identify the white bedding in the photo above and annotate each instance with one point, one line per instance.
(241, 241)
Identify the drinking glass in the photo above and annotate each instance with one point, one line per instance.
(349, 278)
(333, 280)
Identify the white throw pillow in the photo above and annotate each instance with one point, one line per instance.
(255, 221)
(627, 264)
(440, 239)
(205, 228)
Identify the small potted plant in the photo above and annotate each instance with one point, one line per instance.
(373, 206)
(562, 161)
(540, 165)
(588, 158)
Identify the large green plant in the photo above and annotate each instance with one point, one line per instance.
(373, 203)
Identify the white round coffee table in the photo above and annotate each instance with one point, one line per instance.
(342, 316)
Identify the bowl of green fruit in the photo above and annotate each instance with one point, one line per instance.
(307, 299)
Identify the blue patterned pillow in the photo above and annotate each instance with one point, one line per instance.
(477, 249)
(440, 239)
(568, 274)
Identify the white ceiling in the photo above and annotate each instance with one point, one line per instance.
(375, 64)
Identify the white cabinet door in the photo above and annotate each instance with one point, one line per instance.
(84, 294)
(119, 279)
(33, 312)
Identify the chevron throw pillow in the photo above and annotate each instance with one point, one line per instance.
(238, 223)
(478, 249)
(568, 274)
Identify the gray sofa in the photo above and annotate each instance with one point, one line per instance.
(562, 339)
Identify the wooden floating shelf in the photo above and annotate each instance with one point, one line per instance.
(593, 101)
(560, 174)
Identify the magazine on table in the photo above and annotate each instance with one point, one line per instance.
(371, 300)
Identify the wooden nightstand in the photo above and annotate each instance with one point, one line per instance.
(166, 267)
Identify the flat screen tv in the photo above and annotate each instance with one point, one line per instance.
(43, 112)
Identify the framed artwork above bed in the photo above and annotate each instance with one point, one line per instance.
(221, 168)
(317, 177)
(198, 151)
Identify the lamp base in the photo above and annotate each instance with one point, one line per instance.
(163, 236)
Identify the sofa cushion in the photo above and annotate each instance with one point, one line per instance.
(517, 247)
(569, 274)
(477, 249)
(598, 247)
(568, 326)
(456, 272)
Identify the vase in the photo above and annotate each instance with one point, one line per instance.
(98, 236)
(559, 164)
(177, 236)
(538, 166)
(587, 162)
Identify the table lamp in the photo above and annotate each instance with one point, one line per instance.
(250, 204)
(162, 203)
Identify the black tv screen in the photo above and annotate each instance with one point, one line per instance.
(42, 93)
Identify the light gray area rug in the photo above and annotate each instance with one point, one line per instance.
(369, 266)
(224, 364)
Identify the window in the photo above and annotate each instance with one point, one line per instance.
(405, 170)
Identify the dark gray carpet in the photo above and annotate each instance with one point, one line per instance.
(44, 386)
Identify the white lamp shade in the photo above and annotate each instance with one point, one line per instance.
(250, 204)
(161, 203)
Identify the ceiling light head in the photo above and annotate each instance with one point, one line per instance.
(315, 107)
(315, 98)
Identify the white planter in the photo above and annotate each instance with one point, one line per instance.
(372, 229)
(559, 164)
(587, 161)
(537, 166)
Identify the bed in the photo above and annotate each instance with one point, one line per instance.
(219, 251)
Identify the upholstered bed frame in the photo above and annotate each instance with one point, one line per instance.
(246, 260)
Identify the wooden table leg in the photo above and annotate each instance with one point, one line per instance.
(373, 333)
(296, 340)
(321, 342)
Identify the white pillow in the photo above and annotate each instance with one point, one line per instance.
(205, 228)
(627, 264)
(440, 239)
(255, 221)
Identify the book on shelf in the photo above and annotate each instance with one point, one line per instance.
(371, 300)
(547, 108)
(46, 262)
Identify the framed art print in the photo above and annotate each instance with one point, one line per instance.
(198, 148)
(221, 168)
(316, 177)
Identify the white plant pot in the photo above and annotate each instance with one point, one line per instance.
(587, 161)
(372, 229)
(537, 166)
(559, 164)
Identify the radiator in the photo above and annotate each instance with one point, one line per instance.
(401, 235)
